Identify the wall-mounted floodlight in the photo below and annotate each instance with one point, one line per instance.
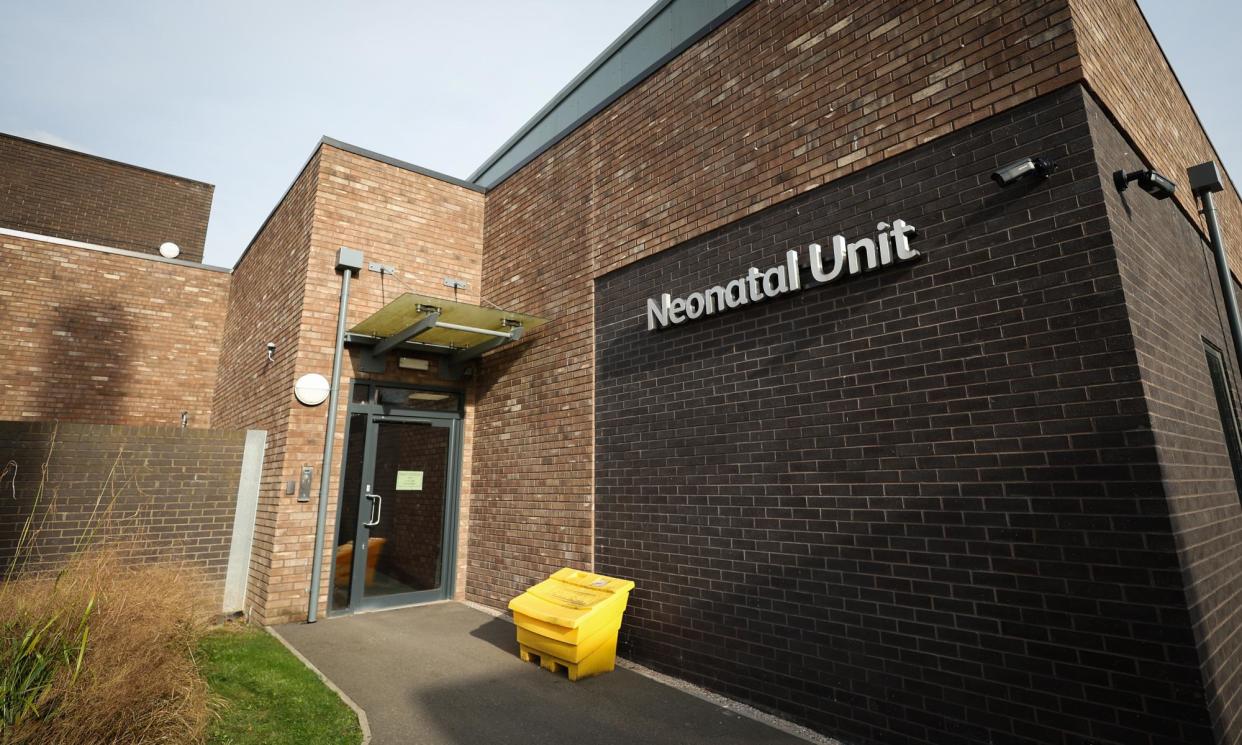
(1007, 174)
(1149, 181)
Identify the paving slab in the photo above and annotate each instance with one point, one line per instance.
(448, 674)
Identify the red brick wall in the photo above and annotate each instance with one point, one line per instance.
(265, 305)
(1174, 305)
(101, 337)
(286, 290)
(1124, 66)
(168, 494)
(66, 194)
(784, 97)
(427, 229)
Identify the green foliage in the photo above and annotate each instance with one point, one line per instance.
(33, 654)
(37, 650)
(98, 651)
(268, 696)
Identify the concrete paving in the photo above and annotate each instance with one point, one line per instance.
(447, 674)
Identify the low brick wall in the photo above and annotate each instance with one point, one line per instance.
(169, 493)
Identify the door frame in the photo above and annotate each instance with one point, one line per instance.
(376, 413)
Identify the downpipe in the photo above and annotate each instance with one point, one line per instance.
(348, 263)
(1204, 182)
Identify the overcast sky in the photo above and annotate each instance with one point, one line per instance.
(237, 93)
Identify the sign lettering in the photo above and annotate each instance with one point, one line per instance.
(843, 259)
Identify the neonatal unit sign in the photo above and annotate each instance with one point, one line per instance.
(890, 246)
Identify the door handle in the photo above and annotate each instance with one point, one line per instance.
(377, 506)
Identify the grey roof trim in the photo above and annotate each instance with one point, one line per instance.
(480, 174)
(110, 250)
(594, 65)
(92, 156)
(400, 164)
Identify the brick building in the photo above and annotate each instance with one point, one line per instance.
(893, 450)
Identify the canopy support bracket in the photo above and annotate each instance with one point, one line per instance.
(454, 365)
(374, 359)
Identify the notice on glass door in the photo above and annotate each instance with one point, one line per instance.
(409, 480)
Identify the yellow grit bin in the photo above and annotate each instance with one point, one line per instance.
(571, 620)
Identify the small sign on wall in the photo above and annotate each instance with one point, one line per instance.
(409, 480)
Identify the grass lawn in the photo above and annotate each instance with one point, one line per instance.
(268, 695)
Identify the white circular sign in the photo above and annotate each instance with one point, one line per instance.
(170, 250)
(311, 389)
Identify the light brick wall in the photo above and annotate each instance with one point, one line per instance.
(53, 191)
(91, 336)
(782, 98)
(1125, 67)
(427, 229)
(287, 290)
(266, 306)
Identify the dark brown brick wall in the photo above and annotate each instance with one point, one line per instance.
(165, 493)
(784, 97)
(66, 194)
(98, 337)
(1174, 303)
(921, 506)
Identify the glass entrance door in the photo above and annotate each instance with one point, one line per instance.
(397, 518)
(404, 506)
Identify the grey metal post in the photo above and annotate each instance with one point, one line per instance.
(1204, 181)
(348, 262)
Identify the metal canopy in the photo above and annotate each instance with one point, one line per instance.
(428, 324)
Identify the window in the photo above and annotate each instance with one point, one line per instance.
(1224, 406)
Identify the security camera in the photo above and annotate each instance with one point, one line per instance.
(271, 351)
(1148, 180)
(1007, 174)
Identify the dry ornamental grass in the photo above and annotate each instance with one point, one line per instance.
(101, 650)
(139, 682)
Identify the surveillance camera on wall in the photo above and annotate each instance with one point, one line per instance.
(271, 351)
(1007, 174)
(1148, 180)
